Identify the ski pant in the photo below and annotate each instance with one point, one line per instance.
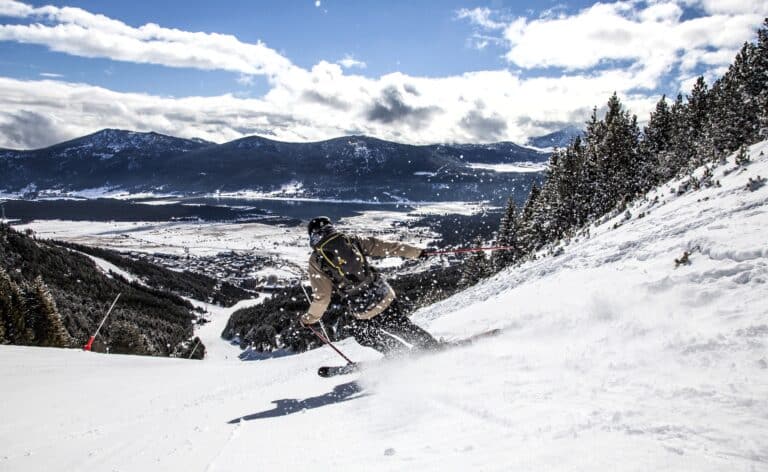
(387, 331)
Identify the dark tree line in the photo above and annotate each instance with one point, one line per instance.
(615, 162)
(52, 296)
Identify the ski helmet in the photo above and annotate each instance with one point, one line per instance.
(318, 223)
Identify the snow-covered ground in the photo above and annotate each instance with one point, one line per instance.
(210, 333)
(519, 167)
(611, 359)
(208, 239)
(107, 268)
(202, 239)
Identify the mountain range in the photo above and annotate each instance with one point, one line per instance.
(558, 139)
(346, 167)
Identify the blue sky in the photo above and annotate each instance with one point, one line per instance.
(419, 71)
(423, 38)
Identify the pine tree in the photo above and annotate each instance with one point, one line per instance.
(696, 131)
(741, 99)
(2, 326)
(125, 338)
(613, 147)
(45, 318)
(761, 88)
(595, 131)
(674, 159)
(742, 157)
(476, 267)
(530, 229)
(5, 305)
(582, 186)
(12, 311)
(657, 141)
(623, 140)
(544, 215)
(571, 190)
(508, 237)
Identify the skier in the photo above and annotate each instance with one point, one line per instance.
(339, 263)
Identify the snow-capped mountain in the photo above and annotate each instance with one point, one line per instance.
(614, 356)
(558, 139)
(115, 143)
(96, 160)
(353, 166)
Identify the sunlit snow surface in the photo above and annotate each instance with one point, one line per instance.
(507, 168)
(611, 359)
(209, 239)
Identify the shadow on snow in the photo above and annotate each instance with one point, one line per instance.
(253, 355)
(288, 406)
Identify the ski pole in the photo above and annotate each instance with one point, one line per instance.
(322, 327)
(305, 293)
(477, 249)
(324, 339)
(328, 342)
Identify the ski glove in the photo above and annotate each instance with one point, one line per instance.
(307, 320)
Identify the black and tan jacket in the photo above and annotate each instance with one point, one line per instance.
(323, 286)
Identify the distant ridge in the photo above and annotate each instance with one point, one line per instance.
(558, 139)
(350, 167)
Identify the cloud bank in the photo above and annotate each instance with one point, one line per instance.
(627, 46)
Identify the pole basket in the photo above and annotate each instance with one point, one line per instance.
(89, 344)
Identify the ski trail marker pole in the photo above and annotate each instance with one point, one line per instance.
(89, 345)
(194, 349)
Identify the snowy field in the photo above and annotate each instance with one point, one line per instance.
(282, 243)
(511, 168)
(201, 239)
(611, 359)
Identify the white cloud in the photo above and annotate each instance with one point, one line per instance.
(661, 13)
(734, 7)
(349, 62)
(481, 41)
(50, 75)
(554, 11)
(317, 3)
(79, 32)
(245, 79)
(651, 37)
(485, 27)
(14, 9)
(327, 100)
(324, 103)
(480, 17)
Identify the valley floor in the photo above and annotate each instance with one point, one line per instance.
(611, 359)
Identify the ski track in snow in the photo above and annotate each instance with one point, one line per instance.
(107, 268)
(611, 359)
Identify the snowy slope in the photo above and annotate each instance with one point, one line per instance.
(611, 359)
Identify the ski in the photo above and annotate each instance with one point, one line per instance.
(332, 371)
(469, 340)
